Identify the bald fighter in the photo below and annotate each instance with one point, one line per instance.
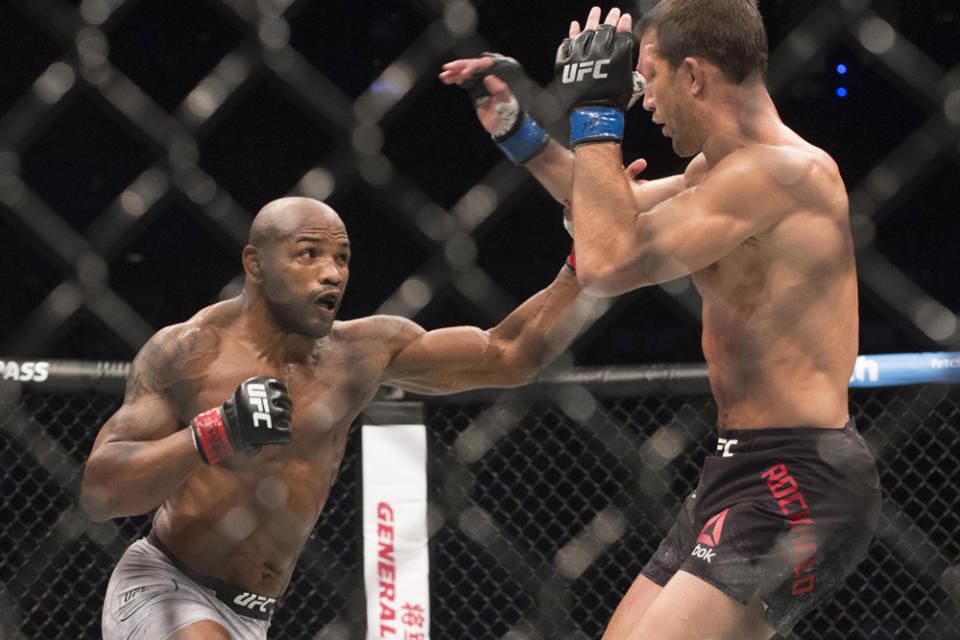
(786, 508)
(234, 423)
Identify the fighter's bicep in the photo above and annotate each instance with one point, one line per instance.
(148, 411)
(151, 417)
(691, 224)
(702, 224)
(443, 359)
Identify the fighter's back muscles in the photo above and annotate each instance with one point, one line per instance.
(141, 455)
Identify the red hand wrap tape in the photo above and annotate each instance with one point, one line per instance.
(212, 435)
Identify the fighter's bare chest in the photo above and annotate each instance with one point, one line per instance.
(738, 279)
(326, 399)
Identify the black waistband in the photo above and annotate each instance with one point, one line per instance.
(743, 440)
(246, 603)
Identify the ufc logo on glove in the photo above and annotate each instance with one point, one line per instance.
(577, 71)
(258, 400)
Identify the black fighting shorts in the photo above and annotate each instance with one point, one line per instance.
(787, 513)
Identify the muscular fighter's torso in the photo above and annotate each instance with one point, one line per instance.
(246, 519)
(780, 316)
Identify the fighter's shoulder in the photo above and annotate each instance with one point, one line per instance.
(180, 347)
(794, 164)
(790, 176)
(386, 330)
(177, 345)
(170, 355)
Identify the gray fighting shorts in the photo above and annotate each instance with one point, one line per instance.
(150, 597)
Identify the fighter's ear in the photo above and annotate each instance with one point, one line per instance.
(694, 74)
(251, 264)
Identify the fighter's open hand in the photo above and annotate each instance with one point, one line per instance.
(615, 18)
(490, 82)
(257, 413)
(497, 107)
(595, 66)
(596, 71)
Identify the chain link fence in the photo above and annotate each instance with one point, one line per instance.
(544, 504)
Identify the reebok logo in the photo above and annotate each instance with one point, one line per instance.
(258, 399)
(710, 537)
(703, 553)
(253, 601)
(577, 71)
(710, 534)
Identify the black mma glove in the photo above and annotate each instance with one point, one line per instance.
(257, 413)
(519, 136)
(598, 82)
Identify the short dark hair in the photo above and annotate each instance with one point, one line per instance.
(728, 33)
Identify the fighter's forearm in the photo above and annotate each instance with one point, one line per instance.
(125, 478)
(605, 218)
(553, 168)
(544, 326)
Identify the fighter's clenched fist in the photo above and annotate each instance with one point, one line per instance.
(257, 413)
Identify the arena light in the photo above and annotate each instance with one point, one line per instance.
(55, 82)
(210, 94)
(317, 183)
(876, 35)
(460, 18)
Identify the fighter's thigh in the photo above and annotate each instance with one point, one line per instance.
(689, 608)
(202, 630)
(638, 597)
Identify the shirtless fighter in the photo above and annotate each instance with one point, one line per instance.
(238, 487)
(786, 508)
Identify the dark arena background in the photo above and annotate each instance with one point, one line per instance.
(139, 137)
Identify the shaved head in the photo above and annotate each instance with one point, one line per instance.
(282, 218)
(297, 263)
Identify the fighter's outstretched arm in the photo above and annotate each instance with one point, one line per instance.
(141, 455)
(551, 165)
(510, 354)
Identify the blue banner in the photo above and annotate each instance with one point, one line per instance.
(893, 369)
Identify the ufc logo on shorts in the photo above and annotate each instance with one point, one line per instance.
(258, 399)
(253, 601)
(577, 71)
(723, 447)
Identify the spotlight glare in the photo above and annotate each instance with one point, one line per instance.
(841, 92)
(841, 68)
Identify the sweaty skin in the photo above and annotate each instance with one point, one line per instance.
(759, 218)
(762, 223)
(246, 520)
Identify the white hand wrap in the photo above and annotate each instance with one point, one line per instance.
(508, 112)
